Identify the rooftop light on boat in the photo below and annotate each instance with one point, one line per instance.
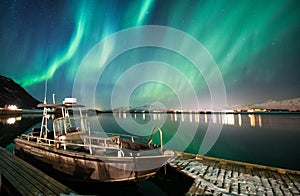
(70, 101)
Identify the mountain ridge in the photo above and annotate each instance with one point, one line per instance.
(287, 104)
(12, 93)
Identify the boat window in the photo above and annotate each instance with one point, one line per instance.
(58, 127)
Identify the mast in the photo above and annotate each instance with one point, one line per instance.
(44, 125)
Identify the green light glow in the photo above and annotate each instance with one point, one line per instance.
(61, 60)
(253, 42)
(144, 11)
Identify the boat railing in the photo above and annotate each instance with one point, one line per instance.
(150, 142)
(131, 138)
(134, 139)
(65, 144)
(94, 141)
(38, 139)
(88, 143)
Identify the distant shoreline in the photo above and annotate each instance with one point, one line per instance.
(20, 112)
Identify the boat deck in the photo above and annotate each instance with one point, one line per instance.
(214, 176)
(20, 178)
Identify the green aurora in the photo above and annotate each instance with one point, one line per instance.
(255, 45)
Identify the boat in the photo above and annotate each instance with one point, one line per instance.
(73, 150)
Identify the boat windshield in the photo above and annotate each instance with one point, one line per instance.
(63, 126)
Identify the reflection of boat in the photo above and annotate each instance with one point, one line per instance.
(74, 150)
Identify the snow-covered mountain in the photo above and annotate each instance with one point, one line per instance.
(289, 104)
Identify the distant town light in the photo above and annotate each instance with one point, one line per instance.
(12, 107)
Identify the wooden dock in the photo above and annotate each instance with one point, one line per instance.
(20, 178)
(214, 176)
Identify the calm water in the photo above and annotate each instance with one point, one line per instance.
(267, 139)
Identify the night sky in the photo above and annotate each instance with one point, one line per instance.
(254, 44)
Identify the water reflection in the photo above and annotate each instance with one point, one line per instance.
(228, 119)
(259, 121)
(240, 119)
(242, 138)
(253, 120)
(10, 120)
(12, 126)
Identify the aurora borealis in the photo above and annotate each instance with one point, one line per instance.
(255, 45)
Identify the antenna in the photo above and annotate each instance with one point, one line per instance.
(45, 91)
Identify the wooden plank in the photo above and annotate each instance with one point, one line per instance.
(26, 179)
(33, 172)
(295, 181)
(48, 181)
(29, 178)
(18, 182)
(230, 177)
(247, 165)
